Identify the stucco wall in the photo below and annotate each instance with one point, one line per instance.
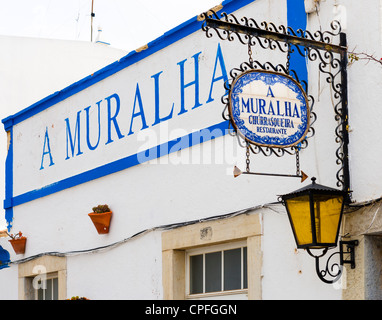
(365, 225)
(33, 68)
(176, 188)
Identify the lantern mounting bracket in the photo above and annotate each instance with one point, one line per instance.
(335, 270)
(350, 249)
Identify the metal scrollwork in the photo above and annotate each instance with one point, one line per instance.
(331, 273)
(314, 46)
(234, 28)
(333, 270)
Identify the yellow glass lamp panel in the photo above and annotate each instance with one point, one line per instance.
(327, 213)
(299, 211)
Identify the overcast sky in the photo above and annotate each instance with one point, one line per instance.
(126, 24)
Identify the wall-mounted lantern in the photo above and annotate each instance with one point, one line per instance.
(315, 214)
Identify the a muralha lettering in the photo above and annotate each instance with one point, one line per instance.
(83, 133)
(268, 107)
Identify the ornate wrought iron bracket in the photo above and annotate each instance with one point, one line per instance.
(314, 46)
(333, 273)
(271, 34)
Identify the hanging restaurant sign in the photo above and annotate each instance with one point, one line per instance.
(269, 109)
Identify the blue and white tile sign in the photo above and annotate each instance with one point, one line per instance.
(269, 109)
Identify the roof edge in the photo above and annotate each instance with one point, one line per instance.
(173, 35)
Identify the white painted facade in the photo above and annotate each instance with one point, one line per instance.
(36, 67)
(58, 177)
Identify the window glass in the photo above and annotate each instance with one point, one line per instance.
(232, 269)
(196, 274)
(49, 288)
(213, 271)
(217, 271)
(55, 288)
(40, 294)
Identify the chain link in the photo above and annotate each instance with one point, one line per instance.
(288, 59)
(298, 172)
(247, 154)
(250, 52)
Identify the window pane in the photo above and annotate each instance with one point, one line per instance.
(196, 274)
(41, 288)
(48, 291)
(327, 217)
(232, 269)
(213, 271)
(40, 294)
(245, 278)
(299, 211)
(55, 289)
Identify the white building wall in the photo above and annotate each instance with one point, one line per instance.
(134, 268)
(152, 194)
(33, 68)
(9, 282)
(289, 273)
(362, 24)
(364, 99)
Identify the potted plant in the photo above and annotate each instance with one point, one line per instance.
(101, 217)
(78, 298)
(18, 242)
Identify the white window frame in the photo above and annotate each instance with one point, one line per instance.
(175, 242)
(209, 249)
(45, 267)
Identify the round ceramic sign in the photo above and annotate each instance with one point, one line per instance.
(269, 109)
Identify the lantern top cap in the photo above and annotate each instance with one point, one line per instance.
(314, 188)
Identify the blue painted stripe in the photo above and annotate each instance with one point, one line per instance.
(169, 147)
(296, 16)
(8, 204)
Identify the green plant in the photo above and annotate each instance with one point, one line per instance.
(101, 208)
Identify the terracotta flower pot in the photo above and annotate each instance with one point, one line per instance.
(101, 221)
(19, 244)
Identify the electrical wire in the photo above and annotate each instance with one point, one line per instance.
(365, 203)
(269, 206)
(143, 232)
(371, 223)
